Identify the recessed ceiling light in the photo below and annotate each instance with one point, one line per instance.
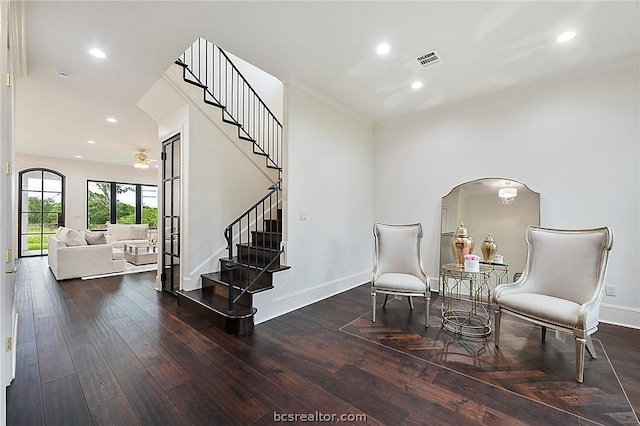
(91, 142)
(416, 85)
(383, 49)
(78, 156)
(112, 120)
(98, 53)
(566, 36)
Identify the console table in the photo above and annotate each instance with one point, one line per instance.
(466, 300)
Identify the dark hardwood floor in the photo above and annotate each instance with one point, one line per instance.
(115, 351)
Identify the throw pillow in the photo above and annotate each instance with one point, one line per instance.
(94, 238)
(139, 232)
(71, 237)
(60, 229)
(119, 231)
(61, 233)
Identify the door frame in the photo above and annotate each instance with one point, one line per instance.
(171, 243)
(8, 243)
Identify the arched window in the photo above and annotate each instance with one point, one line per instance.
(40, 209)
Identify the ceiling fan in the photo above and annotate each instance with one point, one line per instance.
(142, 160)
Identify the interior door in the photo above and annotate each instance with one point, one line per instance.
(8, 316)
(171, 190)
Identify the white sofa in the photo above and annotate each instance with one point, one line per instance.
(119, 234)
(83, 260)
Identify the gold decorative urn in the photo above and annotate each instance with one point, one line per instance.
(461, 244)
(489, 249)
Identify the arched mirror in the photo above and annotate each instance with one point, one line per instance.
(502, 208)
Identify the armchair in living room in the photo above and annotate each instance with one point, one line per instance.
(398, 268)
(562, 285)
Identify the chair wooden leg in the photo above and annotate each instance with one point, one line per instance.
(591, 350)
(427, 302)
(386, 297)
(373, 300)
(410, 302)
(544, 333)
(580, 344)
(497, 316)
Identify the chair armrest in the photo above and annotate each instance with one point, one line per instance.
(56, 243)
(589, 313)
(519, 286)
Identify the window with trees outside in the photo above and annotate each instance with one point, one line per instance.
(115, 202)
(40, 209)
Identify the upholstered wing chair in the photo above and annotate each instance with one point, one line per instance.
(562, 285)
(398, 268)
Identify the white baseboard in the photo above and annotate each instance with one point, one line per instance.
(272, 305)
(620, 315)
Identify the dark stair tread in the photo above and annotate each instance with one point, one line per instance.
(272, 268)
(191, 79)
(242, 277)
(209, 299)
(258, 247)
(266, 239)
(233, 123)
(268, 233)
(213, 103)
(195, 83)
(258, 255)
(272, 225)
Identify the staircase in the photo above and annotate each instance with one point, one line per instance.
(254, 238)
(240, 277)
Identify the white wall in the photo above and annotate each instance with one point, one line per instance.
(220, 184)
(328, 178)
(76, 173)
(269, 88)
(576, 142)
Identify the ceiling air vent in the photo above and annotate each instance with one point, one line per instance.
(428, 59)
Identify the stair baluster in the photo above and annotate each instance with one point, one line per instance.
(226, 88)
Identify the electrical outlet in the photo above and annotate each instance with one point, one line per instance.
(610, 290)
(397, 297)
(561, 336)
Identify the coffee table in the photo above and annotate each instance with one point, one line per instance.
(141, 254)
